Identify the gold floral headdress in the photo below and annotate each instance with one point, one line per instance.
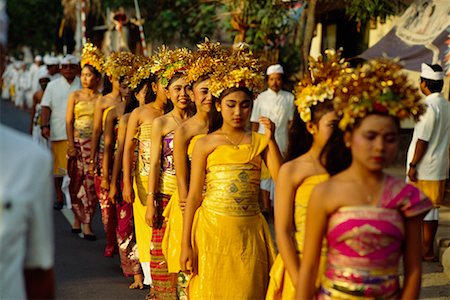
(92, 56)
(141, 71)
(238, 69)
(119, 64)
(204, 60)
(166, 63)
(379, 85)
(320, 87)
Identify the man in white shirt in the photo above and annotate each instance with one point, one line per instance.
(53, 118)
(277, 105)
(428, 153)
(26, 234)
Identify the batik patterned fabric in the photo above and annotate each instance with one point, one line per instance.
(143, 231)
(281, 285)
(108, 209)
(126, 238)
(365, 244)
(81, 187)
(230, 235)
(164, 283)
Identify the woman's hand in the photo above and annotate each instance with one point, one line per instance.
(105, 183)
(269, 127)
(127, 193)
(150, 215)
(112, 193)
(188, 260)
(71, 151)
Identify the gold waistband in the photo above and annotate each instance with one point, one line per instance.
(167, 183)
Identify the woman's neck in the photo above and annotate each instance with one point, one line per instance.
(366, 175)
(230, 129)
(202, 117)
(180, 113)
(315, 151)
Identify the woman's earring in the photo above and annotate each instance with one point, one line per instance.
(347, 144)
(219, 109)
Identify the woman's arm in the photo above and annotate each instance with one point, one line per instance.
(284, 216)
(316, 225)
(69, 126)
(272, 155)
(128, 152)
(412, 258)
(154, 169)
(180, 145)
(117, 166)
(108, 150)
(96, 132)
(188, 260)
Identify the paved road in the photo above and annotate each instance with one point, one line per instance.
(83, 273)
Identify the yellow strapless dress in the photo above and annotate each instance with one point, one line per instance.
(229, 234)
(84, 118)
(140, 185)
(280, 285)
(171, 243)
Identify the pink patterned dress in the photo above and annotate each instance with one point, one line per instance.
(365, 244)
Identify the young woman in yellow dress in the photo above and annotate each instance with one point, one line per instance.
(227, 246)
(370, 219)
(79, 126)
(162, 180)
(135, 183)
(198, 72)
(116, 66)
(296, 179)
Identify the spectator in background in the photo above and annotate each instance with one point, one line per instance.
(277, 105)
(53, 118)
(428, 153)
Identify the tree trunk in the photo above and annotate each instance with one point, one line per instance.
(309, 31)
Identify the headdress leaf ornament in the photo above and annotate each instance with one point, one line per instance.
(141, 71)
(92, 56)
(379, 85)
(238, 69)
(166, 63)
(320, 86)
(119, 64)
(204, 60)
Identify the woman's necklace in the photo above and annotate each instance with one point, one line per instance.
(176, 121)
(235, 144)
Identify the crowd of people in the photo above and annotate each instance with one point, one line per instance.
(184, 162)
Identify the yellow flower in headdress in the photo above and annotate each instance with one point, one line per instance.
(325, 74)
(238, 69)
(141, 71)
(166, 63)
(204, 60)
(119, 64)
(377, 86)
(92, 56)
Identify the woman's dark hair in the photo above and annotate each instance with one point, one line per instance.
(175, 77)
(130, 103)
(300, 140)
(93, 70)
(107, 85)
(435, 86)
(336, 156)
(151, 95)
(215, 117)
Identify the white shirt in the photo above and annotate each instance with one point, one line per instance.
(279, 108)
(26, 223)
(434, 128)
(55, 97)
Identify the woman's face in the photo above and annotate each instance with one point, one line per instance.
(140, 96)
(88, 78)
(324, 128)
(235, 109)
(177, 92)
(124, 89)
(374, 143)
(202, 96)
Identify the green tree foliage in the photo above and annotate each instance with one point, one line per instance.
(366, 10)
(33, 23)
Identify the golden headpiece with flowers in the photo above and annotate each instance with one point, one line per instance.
(238, 69)
(379, 85)
(166, 63)
(320, 87)
(141, 71)
(204, 60)
(119, 64)
(92, 56)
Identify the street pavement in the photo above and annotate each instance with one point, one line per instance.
(83, 273)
